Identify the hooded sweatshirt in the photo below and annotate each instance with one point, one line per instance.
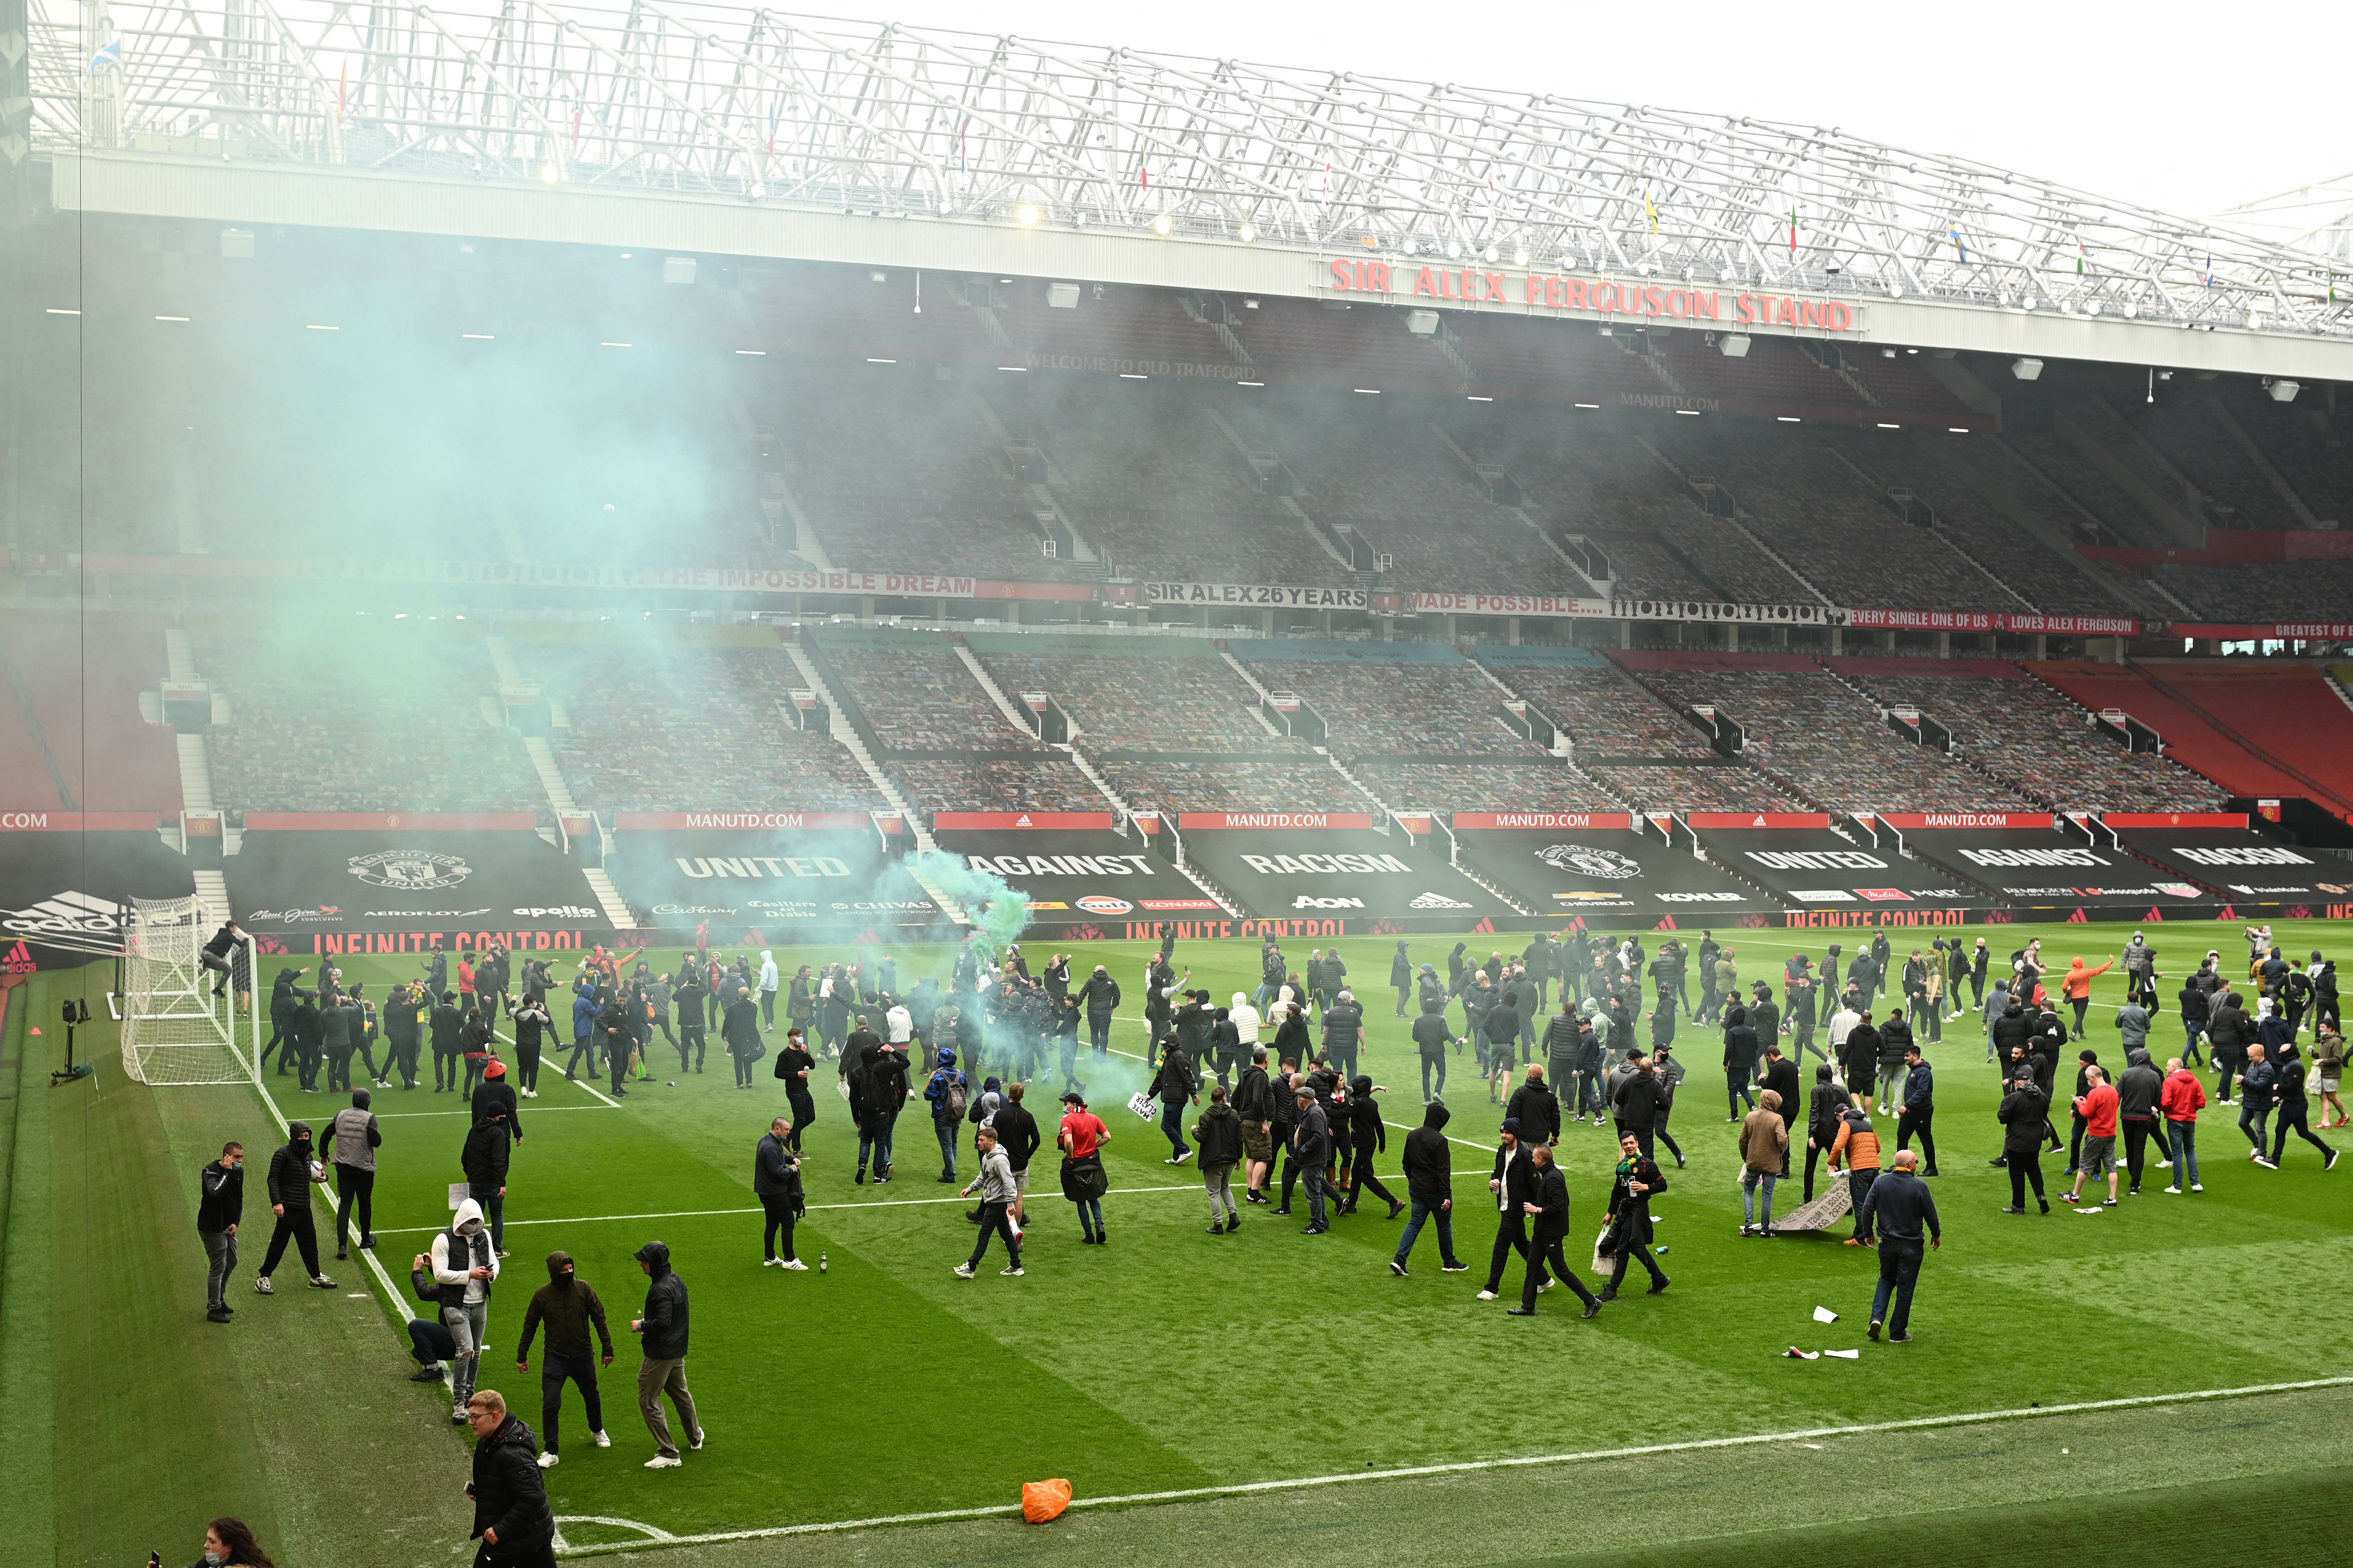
(459, 1250)
(767, 970)
(665, 1312)
(290, 1169)
(1429, 1159)
(568, 1306)
(1764, 1135)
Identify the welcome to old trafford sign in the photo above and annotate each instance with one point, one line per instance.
(1601, 299)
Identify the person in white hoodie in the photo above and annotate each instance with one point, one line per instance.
(1246, 1022)
(464, 1266)
(768, 989)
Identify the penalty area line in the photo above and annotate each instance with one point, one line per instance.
(657, 1538)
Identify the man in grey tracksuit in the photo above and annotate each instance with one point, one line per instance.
(994, 1184)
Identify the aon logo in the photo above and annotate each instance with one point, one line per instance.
(1308, 901)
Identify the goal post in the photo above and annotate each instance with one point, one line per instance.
(175, 1029)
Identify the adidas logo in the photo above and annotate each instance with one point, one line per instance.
(1437, 902)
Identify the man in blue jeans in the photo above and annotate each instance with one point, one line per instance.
(1429, 1183)
(949, 1094)
(1900, 1204)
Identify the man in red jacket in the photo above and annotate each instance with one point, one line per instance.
(2181, 1099)
(2097, 1106)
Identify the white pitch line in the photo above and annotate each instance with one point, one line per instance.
(698, 1214)
(1238, 1488)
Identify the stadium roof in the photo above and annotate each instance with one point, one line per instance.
(783, 117)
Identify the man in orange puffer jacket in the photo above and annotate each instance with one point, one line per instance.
(2077, 988)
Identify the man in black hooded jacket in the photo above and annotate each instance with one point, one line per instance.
(569, 1306)
(290, 1173)
(1429, 1163)
(512, 1518)
(664, 1328)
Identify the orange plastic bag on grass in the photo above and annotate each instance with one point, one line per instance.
(1043, 1503)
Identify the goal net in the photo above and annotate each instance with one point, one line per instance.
(175, 1030)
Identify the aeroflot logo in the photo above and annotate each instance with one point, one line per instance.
(1323, 865)
(2032, 857)
(1816, 860)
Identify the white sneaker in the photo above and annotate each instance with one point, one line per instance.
(1486, 1295)
(794, 1263)
(964, 1271)
(772, 1263)
(664, 1462)
(547, 1461)
(697, 1444)
(603, 1441)
(1547, 1286)
(1013, 1273)
(262, 1287)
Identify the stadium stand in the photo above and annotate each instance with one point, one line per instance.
(1220, 785)
(673, 725)
(2305, 441)
(1406, 700)
(2030, 737)
(1604, 710)
(964, 784)
(83, 675)
(2259, 592)
(917, 696)
(358, 718)
(1654, 787)
(1485, 785)
(1156, 694)
(2258, 731)
(2189, 433)
(1823, 738)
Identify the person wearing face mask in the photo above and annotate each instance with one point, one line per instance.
(464, 1266)
(292, 1170)
(568, 1305)
(229, 1543)
(220, 1204)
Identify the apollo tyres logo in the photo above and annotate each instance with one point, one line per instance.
(410, 871)
(1585, 860)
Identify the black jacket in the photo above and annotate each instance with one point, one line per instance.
(2025, 1114)
(495, 1093)
(1220, 1133)
(1552, 1192)
(665, 1315)
(2011, 1029)
(1895, 1039)
(1311, 1136)
(1538, 1109)
(1640, 1098)
(1781, 1077)
(1516, 1169)
(511, 1492)
(1343, 1025)
(740, 1027)
(1429, 1159)
(775, 1173)
(1824, 1112)
(1101, 996)
(488, 1146)
(220, 1200)
(1017, 1134)
(289, 1171)
(1253, 1095)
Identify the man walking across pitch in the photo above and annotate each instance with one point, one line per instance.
(569, 1306)
(663, 1328)
(994, 1184)
(220, 1205)
(1429, 1163)
(291, 1169)
(1513, 1185)
(1900, 1206)
(511, 1517)
(353, 1138)
(1547, 1210)
(464, 1267)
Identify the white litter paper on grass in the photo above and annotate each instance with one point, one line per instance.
(1824, 1315)
(1845, 1355)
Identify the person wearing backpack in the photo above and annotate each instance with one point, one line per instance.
(949, 1095)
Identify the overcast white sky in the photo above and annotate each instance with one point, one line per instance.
(2187, 108)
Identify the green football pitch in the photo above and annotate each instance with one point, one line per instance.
(1294, 1396)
